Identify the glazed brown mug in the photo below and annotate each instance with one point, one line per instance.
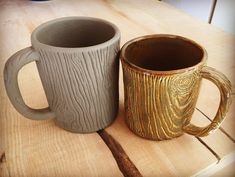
(77, 60)
(162, 76)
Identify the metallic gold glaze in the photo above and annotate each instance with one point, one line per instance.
(225, 88)
(159, 104)
(155, 104)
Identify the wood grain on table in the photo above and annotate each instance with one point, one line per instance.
(40, 148)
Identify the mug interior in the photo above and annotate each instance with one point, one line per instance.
(163, 53)
(73, 33)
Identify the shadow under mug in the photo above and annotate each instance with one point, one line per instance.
(77, 61)
(162, 76)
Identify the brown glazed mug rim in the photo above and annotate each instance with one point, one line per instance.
(36, 43)
(148, 71)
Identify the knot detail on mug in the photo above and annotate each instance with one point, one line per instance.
(183, 84)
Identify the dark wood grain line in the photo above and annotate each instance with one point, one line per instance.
(3, 158)
(210, 149)
(2, 161)
(220, 128)
(125, 165)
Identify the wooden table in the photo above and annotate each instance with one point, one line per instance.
(39, 148)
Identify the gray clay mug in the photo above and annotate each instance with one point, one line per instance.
(77, 60)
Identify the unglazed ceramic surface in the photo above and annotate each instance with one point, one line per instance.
(77, 60)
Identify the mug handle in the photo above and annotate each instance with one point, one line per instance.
(225, 89)
(11, 70)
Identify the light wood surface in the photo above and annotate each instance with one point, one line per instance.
(165, 158)
(228, 171)
(39, 148)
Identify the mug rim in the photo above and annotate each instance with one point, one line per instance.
(36, 43)
(154, 36)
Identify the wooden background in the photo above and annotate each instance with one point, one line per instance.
(39, 148)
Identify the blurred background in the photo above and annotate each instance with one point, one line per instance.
(219, 13)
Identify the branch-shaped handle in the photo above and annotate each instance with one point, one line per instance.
(225, 88)
(12, 67)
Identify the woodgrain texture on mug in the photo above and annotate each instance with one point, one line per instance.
(162, 77)
(154, 105)
(77, 61)
(82, 87)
